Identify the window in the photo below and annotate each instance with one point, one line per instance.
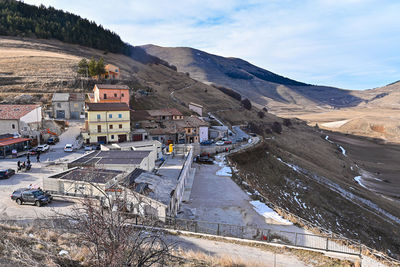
(110, 116)
(112, 136)
(59, 105)
(122, 95)
(105, 96)
(115, 95)
(188, 130)
(120, 126)
(13, 126)
(111, 126)
(99, 128)
(120, 116)
(98, 116)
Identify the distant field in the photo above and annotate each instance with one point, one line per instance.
(379, 122)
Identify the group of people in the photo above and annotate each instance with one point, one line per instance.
(23, 165)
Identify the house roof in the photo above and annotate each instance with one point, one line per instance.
(76, 97)
(112, 157)
(60, 97)
(64, 97)
(15, 112)
(100, 176)
(107, 107)
(112, 86)
(10, 141)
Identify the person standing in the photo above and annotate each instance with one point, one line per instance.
(19, 165)
(38, 157)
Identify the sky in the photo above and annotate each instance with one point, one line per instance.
(350, 44)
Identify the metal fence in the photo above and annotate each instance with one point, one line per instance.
(298, 239)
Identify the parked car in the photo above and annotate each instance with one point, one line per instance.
(220, 143)
(69, 148)
(228, 142)
(253, 134)
(97, 147)
(35, 196)
(43, 148)
(206, 143)
(6, 173)
(204, 160)
(53, 140)
(88, 148)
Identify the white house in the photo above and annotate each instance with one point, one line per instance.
(20, 119)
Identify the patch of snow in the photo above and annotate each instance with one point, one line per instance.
(343, 151)
(248, 193)
(327, 139)
(225, 171)
(63, 252)
(358, 179)
(294, 167)
(267, 212)
(351, 168)
(243, 182)
(335, 124)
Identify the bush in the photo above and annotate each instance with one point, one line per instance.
(229, 92)
(287, 122)
(246, 104)
(261, 114)
(265, 109)
(276, 127)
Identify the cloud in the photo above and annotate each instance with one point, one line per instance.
(345, 43)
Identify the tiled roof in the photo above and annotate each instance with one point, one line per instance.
(112, 86)
(14, 112)
(10, 141)
(107, 107)
(76, 97)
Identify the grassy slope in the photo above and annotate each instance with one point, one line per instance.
(280, 184)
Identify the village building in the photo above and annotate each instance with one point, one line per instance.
(112, 72)
(150, 145)
(143, 193)
(168, 126)
(107, 123)
(117, 160)
(196, 108)
(68, 106)
(24, 120)
(110, 93)
(10, 143)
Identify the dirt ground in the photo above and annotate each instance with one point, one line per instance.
(381, 161)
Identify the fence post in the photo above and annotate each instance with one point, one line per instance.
(295, 240)
(136, 219)
(327, 243)
(218, 229)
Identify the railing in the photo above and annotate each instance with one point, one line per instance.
(303, 240)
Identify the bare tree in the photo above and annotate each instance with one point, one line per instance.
(113, 239)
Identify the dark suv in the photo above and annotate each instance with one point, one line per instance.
(35, 196)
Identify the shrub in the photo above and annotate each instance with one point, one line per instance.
(229, 92)
(246, 104)
(265, 109)
(287, 122)
(276, 127)
(261, 114)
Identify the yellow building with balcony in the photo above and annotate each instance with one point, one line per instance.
(107, 123)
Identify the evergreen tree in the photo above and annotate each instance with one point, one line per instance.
(92, 67)
(83, 67)
(100, 69)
